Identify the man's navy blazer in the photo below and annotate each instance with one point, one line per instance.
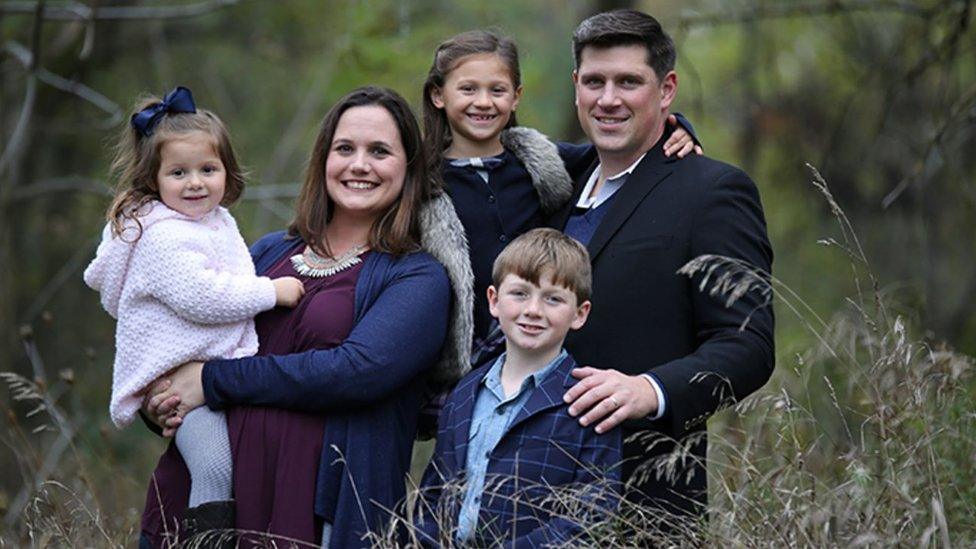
(648, 318)
(543, 448)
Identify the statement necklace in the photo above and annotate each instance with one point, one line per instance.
(309, 263)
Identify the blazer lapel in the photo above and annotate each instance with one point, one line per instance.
(649, 173)
(549, 394)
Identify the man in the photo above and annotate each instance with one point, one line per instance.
(665, 355)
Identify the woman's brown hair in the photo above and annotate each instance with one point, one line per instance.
(437, 131)
(397, 230)
(137, 157)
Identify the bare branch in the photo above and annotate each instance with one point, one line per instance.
(945, 46)
(958, 113)
(19, 136)
(24, 56)
(36, 35)
(280, 211)
(69, 271)
(75, 11)
(799, 9)
(16, 140)
(287, 145)
(59, 185)
(268, 191)
(311, 103)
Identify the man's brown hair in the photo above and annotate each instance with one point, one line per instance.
(626, 27)
(541, 251)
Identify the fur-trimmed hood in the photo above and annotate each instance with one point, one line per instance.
(443, 236)
(541, 159)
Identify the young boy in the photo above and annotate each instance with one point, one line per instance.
(506, 443)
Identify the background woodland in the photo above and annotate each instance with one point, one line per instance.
(865, 435)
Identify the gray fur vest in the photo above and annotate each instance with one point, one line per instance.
(443, 237)
(541, 159)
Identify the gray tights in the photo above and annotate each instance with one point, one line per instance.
(202, 440)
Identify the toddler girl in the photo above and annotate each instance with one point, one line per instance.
(173, 269)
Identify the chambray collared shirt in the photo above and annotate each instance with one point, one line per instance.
(489, 420)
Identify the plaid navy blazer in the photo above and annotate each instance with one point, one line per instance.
(543, 456)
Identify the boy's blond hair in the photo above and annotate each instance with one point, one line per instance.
(547, 250)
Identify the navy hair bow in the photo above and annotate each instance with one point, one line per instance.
(178, 100)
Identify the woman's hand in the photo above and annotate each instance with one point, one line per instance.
(175, 395)
(680, 142)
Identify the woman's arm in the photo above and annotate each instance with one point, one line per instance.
(397, 338)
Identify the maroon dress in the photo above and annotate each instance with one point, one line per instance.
(276, 452)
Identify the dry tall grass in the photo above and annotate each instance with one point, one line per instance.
(868, 439)
(865, 439)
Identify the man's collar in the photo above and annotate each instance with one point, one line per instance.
(628, 170)
(610, 185)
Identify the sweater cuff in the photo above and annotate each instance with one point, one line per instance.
(266, 294)
(210, 395)
(662, 400)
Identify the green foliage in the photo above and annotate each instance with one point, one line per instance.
(879, 96)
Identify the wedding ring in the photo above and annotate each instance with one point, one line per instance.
(614, 401)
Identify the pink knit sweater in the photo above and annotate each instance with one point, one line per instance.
(185, 290)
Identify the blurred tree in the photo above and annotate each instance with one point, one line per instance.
(879, 94)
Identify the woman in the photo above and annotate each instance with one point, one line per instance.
(323, 420)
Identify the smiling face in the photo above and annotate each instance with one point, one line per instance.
(191, 176)
(366, 164)
(535, 318)
(621, 103)
(478, 98)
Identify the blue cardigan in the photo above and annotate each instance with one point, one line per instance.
(543, 449)
(371, 386)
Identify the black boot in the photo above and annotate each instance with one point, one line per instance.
(210, 524)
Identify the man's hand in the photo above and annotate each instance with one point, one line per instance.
(680, 142)
(610, 396)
